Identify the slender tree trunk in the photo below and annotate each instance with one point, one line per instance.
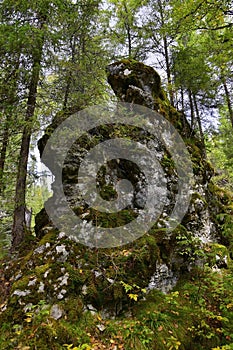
(182, 98)
(228, 99)
(12, 82)
(5, 140)
(67, 92)
(127, 27)
(69, 79)
(191, 110)
(200, 127)
(168, 71)
(166, 54)
(19, 223)
(129, 41)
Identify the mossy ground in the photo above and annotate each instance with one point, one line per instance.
(196, 314)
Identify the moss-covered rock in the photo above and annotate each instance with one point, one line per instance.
(57, 292)
(135, 82)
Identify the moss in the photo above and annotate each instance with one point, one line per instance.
(168, 165)
(217, 254)
(189, 317)
(196, 196)
(50, 237)
(159, 233)
(22, 283)
(223, 196)
(39, 270)
(28, 243)
(73, 309)
(77, 277)
(121, 83)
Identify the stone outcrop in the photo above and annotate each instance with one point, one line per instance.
(65, 273)
(136, 83)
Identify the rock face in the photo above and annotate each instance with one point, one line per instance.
(59, 270)
(136, 83)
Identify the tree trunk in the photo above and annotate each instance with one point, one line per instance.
(200, 127)
(129, 41)
(228, 99)
(191, 110)
(168, 71)
(19, 220)
(69, 79)
(166, 54)
(182, 98)
(127, 27)
(12, 82)
(5, 141)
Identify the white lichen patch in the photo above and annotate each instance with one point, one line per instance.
(56, 312)
(90, 308)
(61, 294)
(63, 279)
(127, 72)
(61, 249)
(18, 276)
(84, 289)
(21, 293)
(110, 280)
(163, 279)
(46, 273)
(40, 249)
(32, 282)
(28, 307)
(61, 235)
(41, 287)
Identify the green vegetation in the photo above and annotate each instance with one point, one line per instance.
(198, 314)
(58, 294)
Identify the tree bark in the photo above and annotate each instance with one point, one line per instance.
(12, 82)
(182, 98)
(166, 55)
(129, 40)
(168, 71)
(228, 99)
(19, 221)
(199, 123)
(5, 141)
(128, 31)
(191, 110)
(69, 79)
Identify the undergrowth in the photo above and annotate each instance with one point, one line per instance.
(197, 315)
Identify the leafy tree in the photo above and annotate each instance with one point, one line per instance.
(202, 57)
(127, 32)
(35, 28)
(192, 75)
(201, 15)
(78, 76)
(58, 37)
(9, 79)
(161, 42)
(220, 151)
(209, 25)
(221, 54)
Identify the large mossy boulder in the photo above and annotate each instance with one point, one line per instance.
(60, 292)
